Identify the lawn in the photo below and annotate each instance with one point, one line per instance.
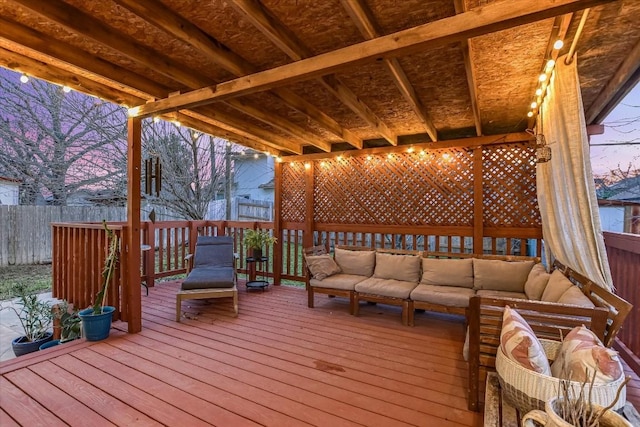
(37, 277)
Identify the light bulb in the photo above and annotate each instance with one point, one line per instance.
(177, 123)
(538, 91)
(66, 89)
(534, 104)
(255, 156)
(24, 78)
(550, 64)
(530, 114)
(542, 77)
(558, 44)
(156, 119)
(307, 165)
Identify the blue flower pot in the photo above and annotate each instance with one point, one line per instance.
(95, 327)
(21, 346)
(49, 344)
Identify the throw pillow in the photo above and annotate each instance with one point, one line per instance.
(498, 275)
(360, 263)
(558, 285)
(582, 354)
(536, 282)
(574, 296)
(322, 266)
(520, 344)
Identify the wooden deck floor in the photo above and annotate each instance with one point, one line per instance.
(278, 364)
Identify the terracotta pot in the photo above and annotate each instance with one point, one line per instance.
(550, 418)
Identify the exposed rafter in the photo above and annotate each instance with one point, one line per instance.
(364, 20)
(296, 50)
(80, 23)
(490, 18)
(471, 76)
(627, 76)
(221, 55)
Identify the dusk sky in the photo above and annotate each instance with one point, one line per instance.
(622, 125)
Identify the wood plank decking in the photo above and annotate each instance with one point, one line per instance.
(278, 363)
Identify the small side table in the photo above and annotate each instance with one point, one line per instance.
(256, 283)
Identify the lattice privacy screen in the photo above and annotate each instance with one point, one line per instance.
(424, 187)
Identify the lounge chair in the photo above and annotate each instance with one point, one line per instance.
(213, 273)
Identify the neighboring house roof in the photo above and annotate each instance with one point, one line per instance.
(10, 180)
(268, 185)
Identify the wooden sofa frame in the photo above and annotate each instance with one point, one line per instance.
(548, 320)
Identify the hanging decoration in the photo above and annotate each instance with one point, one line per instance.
(543, 151)
(152, 176)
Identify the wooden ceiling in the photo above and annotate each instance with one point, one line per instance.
(307, 76)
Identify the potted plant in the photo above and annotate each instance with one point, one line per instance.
(569, 410)
(96, 320)
(35, 318)
(67, 321)
(255, 240)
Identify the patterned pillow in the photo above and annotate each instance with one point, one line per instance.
(582, 354)
(322, 266)
(520, 344)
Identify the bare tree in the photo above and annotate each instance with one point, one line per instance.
(193, 167)
(57, 143)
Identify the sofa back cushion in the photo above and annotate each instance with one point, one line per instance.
(360, 263)
(397, 267)
(558, 285)
(536, 282)
(447, 272)
(497, 275)
(575, 296)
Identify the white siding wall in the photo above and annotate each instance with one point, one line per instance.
(9, 192)
(250, 173)
(612, 218)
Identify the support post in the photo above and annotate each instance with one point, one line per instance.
(309, 170)
(131, 245)
(478, 210)
(277, 223)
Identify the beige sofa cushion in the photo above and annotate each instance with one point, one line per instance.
(497, 275)
(488, 293)
(451, 296)
(386, 287)
(558, 285)
(536, 282)
(360, 263)
(342, 281)
(574, 296)
(405, 268)
(321, 266)
(447, 272)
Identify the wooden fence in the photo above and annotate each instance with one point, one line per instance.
(623, 251)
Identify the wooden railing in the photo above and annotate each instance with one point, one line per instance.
(623, 251)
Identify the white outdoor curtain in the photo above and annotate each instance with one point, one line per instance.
(566, 192)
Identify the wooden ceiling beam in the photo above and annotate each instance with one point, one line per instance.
(471, 75)
(136, 85)
(558, 32)
(289, 43)
(20, 63)
(624, 79)
(217, 52)
(363, 18)
(80, 23)
(483, 20)
(59, 52)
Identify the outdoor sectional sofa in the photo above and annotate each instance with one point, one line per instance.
(446, 282)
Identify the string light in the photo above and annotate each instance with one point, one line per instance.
(307, 165)
(410, 150)
(278, 159)
(255, 156)
(539, 91)
(24, 78)
(530, 114)
(558, 44)
(542, 77)
(369, 157)
(156, 119)
(550, 64)
(534, 104)
(66, 89)
(177, 123)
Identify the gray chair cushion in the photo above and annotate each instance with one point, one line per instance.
(209, 277)
(213, 251)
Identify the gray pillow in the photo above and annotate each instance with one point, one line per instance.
(360, 263)
(447, 272)
(322, 266)
(498, 275)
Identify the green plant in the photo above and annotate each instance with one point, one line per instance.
(109, 267)
(257, 239)
(69, 321)
(34, 314)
